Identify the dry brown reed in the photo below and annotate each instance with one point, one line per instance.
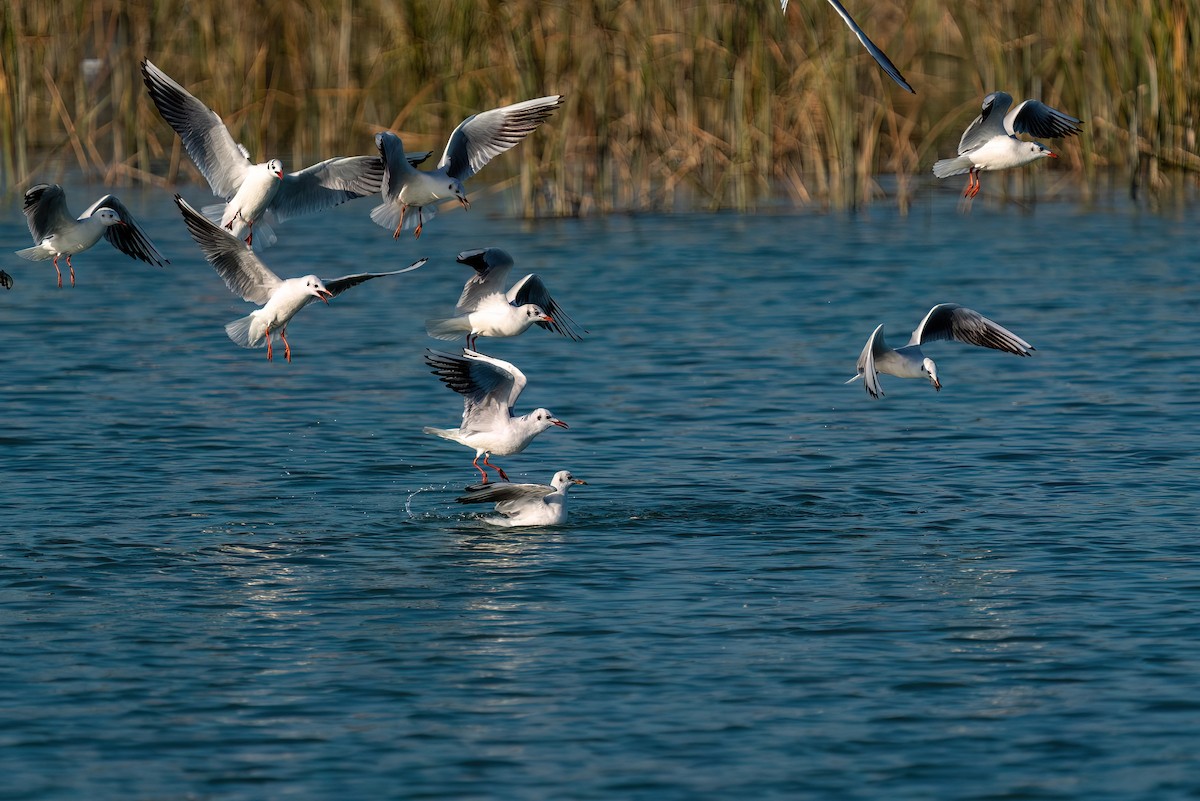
(669, 104)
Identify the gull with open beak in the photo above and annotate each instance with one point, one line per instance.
(476, 141)
(250, 279)
(489, 388)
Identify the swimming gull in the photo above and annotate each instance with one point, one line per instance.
(489, 388)
(880, 57)
(486, 309)
(944, 321)
(525, 504)
(256, 194)
(990, 142)
(59, 234)
(250, 279)
(477, 140)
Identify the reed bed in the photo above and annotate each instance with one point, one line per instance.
(669, 104)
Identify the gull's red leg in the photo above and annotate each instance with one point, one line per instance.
(403, 213)
(58, 271)
(482, 472)
(497, 468)
(268, 344)
(287, 349)
(417, 233)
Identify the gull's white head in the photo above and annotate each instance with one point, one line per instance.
(108, 217)
(275, 167)
(314, 286)
(534, 313)
(455, 188)
(929, 369)
(1036, 150)
(563, 479)
(543, 419)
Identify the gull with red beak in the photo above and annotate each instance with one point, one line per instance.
(489, 388)
(58, 234)
(991, 143)
(945, 321)
(250, 279)
(485, 309)
(256, 194)
(476, 141)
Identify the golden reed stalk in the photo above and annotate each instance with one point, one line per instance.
(669, 103)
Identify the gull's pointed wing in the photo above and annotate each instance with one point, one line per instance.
(337, 286)
(327, 184)
(531, 289)
(6, 280)
(221, 160)
(395, 164)
(504, 491)
(46, 210)
(129, 238)
(949, 321)
(481, 137)
(880, 57)
(489, 386)
(244, 274)
(491, 266)
(1035, 118)
(875, 347)
(988, 125)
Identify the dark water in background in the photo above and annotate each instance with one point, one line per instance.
(227, 578)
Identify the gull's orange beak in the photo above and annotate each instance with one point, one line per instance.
(325, 295)
(466, 204)
(561, 424)
(1052, 154)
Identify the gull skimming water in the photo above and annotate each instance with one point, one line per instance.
(250, 279)
(477, 140)
(990, 142)
(489, 388)
(59, 234)
(486, 309)
(256, 194)
(947, 321)
(525, 504)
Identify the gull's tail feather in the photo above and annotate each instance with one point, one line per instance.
(35, 253)
(387, 215)
(852, 380)
(215, 213)
(239, 332)
(447, 328)
(444, 433)
(955, 166)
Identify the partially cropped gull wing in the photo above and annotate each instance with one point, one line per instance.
(221, 160)
(6, 280)
(989, 123)
(531, 289)
(481, 137)
(503, 491)
(949, 321)
(491, 266)
(337, 286)
(880, 57)
(243, 273)
(1035, 118)
(129, 238)
(327, 184)
(417, 158)
(391, 151)
(46, 210)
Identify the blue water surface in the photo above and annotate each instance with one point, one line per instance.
(223, 577)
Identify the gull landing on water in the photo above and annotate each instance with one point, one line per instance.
(525, 504)
(256, 194)
(59, 234)
(990, 142)
(250, 279)
(944, 321)
(489, 388)
(477, 140)
(880, 57)
(486, 309)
